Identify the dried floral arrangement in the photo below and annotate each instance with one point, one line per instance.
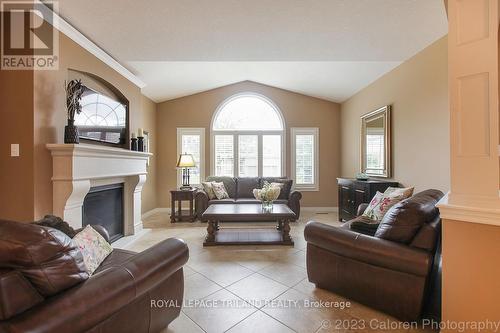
(268, 193)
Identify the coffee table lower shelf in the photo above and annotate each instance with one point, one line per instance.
(236, 236)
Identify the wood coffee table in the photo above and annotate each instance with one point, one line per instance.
(217, 213)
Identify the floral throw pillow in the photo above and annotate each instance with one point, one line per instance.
(372, 205)
(220, 190)
(208, 187)
(93, 247)
(380, 204)
(405, 192)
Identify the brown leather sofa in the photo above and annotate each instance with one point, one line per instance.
(240, 190)
(45, 288)
(390, 270)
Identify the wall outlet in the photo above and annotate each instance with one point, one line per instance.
(14, 150)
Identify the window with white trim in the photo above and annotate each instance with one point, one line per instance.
(192, 141)
(248, 137)
(305, 158)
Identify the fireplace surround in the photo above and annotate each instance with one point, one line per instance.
(79, 167)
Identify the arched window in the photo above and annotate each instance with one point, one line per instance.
(248, 137)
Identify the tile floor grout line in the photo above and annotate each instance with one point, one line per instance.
(279, 321)
(201, 328)
(256, 310)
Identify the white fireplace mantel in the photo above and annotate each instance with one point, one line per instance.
(78, 167)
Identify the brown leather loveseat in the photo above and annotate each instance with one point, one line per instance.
(44, 286)
(389, 271)
(240, 190)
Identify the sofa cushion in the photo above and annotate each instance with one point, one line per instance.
(285, 190)
(402, 222)
(229, 184)
(220, 190)
(116, 258)
(47, 257)
(17, 294)
(246, 185)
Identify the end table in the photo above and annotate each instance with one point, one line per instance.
(179, 196)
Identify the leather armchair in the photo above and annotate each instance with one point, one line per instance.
(119, 297)
(387, 275)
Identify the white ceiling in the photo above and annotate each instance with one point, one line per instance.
(324, 48)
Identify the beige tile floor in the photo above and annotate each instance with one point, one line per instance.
(260, 289)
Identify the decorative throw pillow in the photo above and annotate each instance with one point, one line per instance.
(405, 192)
(220, 190)
(380, 204)
(371, 206)
(208, 187)
(93, 246)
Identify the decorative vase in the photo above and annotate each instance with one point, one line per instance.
(71, 134)
(267, 206)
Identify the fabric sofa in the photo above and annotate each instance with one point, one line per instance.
(129, 292)
(392, 274)
(240, 190)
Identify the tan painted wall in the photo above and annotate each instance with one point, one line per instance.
(298, 111)
(470, 272)
(50, 117)
(16, 117)
(418, 93)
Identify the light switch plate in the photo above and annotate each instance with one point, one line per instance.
(14, 150)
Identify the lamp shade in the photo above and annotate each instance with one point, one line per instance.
(186, 161)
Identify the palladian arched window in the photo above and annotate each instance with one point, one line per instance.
(248, 137)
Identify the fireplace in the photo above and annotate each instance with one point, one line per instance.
(77, 168)
(103, 205)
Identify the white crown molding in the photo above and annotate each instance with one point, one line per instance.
(66, 28)
(470, 209)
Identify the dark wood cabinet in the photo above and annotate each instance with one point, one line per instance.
(353, 192)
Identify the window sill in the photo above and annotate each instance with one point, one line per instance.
(307, 188)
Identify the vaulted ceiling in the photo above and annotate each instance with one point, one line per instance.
(324, 48)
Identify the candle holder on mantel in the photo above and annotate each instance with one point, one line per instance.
(133, 143)
(140, 143)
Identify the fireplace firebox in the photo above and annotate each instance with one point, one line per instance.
(103, 205)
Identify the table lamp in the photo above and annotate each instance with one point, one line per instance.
(185, 162)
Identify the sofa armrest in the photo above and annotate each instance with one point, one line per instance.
(157, 263)
(294, 202)
(104, 293)
(368, 249)
(201, 202)
(361, 209)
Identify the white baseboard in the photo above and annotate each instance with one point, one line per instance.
(155, 211)
(320, 209)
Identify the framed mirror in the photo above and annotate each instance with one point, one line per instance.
(376, 143)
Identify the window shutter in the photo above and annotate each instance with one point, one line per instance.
(224, 155)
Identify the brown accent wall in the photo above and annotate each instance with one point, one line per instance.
(298, 110)
(16, 117)
(418, 93)
(50, 116)
(32, 109)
